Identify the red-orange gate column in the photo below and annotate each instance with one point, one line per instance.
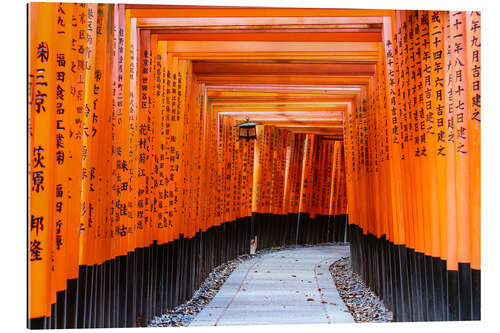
(473, 79)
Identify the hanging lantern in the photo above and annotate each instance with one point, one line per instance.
(247, 130)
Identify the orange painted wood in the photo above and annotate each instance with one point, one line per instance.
(401, 99)
(63, 117)
(461, 116)
(277, 68)
(376, 114)
(423, 204)
(40, 215)
(275, 36)
(449, 146)
(394, 146)
(74, 139)
(144, 137)
(326, 56)
(89, 155)
(249, 46)
(98, 131)
(258, 12)
(258, 22)
(473, 77)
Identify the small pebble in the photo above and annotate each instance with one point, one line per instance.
(363, 304)
(184, 314)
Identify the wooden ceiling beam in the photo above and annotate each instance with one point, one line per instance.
(225, 96)
(294, 122)
(253, 22)
(284, 80)
(273, 110)
(282, 56)
(289, 89)
(263, 95)
(326, 117)
(331, 132)
(237, 12)
(250, 46)
(359, 36)
(304, 102)
(285, 28)
(281, 69)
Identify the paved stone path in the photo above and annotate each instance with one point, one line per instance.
(291, 286)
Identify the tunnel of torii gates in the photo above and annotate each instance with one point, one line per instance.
(139, 186)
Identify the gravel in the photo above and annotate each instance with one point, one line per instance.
(184, 314)
(361, 301)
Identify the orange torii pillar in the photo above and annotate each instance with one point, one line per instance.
(425, 235)
(306, 184)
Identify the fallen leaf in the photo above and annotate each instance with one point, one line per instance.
(333, 303)
(294, 275)
(310, 299)
(323, 302)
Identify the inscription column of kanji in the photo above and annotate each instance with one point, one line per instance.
(63, 111)
(42, 118)
(473, 74)
(394, 137)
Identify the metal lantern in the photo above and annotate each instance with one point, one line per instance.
(247, 130)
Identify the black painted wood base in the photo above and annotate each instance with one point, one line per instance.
(415, 286)
(129, 290)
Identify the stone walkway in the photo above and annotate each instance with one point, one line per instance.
(293, 286)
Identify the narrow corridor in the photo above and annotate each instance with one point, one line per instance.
(293, 286)
(165, 140)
